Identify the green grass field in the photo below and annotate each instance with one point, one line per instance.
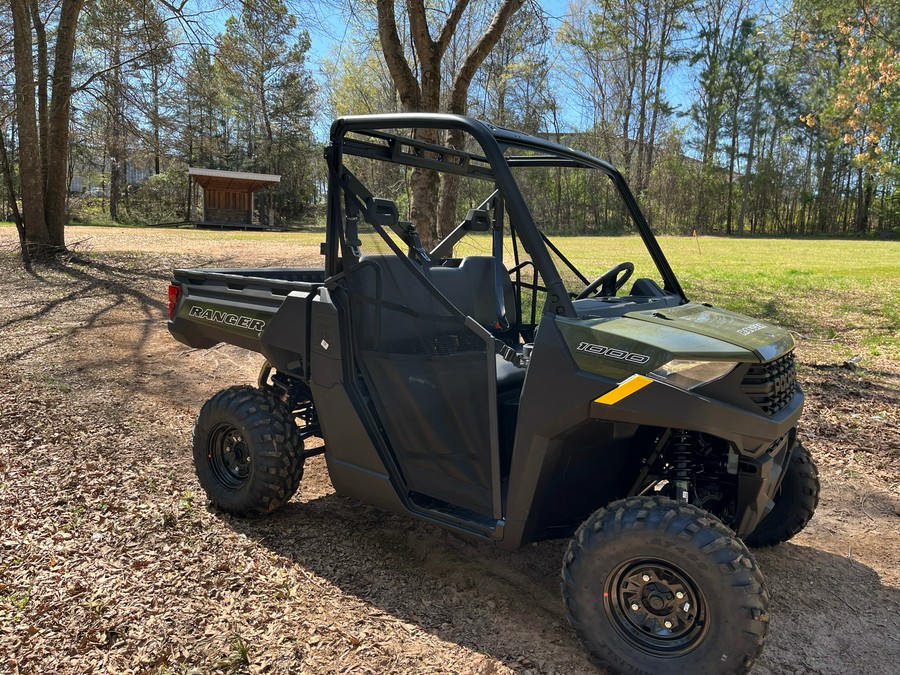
(845, 291)
(842, 290)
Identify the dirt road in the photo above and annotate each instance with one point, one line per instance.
(111, 561)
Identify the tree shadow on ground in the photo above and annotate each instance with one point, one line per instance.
(874, 394)
(504, 604)
(828, 613)
(97, 286)
(841, 373)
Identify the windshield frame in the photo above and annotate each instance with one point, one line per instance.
(495, 143)
(556, 155)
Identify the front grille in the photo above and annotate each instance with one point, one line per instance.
(771, 385)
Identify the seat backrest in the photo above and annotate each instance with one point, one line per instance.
(381, 285)
(471, 287)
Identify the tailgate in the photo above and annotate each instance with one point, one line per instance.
(233, 306)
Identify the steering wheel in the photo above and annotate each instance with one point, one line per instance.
(609, 282)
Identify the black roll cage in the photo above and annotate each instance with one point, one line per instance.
(372, 139)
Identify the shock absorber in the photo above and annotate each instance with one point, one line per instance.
(681, 457)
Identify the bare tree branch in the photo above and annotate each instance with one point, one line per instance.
(418, 25)
(479, 52)
(392, 48)
(449, 28)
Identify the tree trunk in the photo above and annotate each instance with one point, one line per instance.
(42, 155)
(640, 138)
(661, 57)
(754, 129)
(114, 151)
(60, 104)
(13, 205)
(425, 95)
(43, 75)
(731, 159)
(807, 181)
(826, 193)
(37, 235)
(155, 118)
(865, 188)
(459, 105)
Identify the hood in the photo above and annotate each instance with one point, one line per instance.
(764, 339)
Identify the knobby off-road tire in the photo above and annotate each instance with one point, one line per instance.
(795, 502)
(630, 570)
(247, 451)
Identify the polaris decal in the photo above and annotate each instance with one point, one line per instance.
(752, 328)
(611, 353)
(236, 320)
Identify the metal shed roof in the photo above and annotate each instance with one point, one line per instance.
(244, 181)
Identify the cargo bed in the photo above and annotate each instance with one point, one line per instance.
(238, 305)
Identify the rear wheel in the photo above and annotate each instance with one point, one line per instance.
(247, 451)
(652, 585)
(795, 502)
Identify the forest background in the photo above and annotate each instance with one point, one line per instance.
(726, 116)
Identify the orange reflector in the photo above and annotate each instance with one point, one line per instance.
(626, 388)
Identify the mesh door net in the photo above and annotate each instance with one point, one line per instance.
(429, 377)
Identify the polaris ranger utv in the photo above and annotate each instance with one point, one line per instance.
(502, 386)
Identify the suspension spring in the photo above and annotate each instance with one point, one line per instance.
(681, 457)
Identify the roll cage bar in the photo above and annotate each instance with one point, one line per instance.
(370, 137)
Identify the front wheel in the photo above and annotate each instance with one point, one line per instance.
(652, 585)
(247, 451)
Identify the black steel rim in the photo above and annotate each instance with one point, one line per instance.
(656, 607)
(229, 457)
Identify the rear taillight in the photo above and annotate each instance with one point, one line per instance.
(174, 297)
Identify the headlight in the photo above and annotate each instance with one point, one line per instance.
(691, 374)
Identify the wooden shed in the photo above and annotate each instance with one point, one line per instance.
(228, 198)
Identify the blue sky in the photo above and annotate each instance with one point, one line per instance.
(328, 31)
(325, 42)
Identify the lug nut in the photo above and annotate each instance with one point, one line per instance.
(667, 624)
(687, 607)
(679, 594)
(646, 577)
(635, 607)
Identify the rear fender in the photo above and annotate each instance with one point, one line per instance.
(285, 340)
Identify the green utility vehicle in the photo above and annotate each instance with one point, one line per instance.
(501, 385)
